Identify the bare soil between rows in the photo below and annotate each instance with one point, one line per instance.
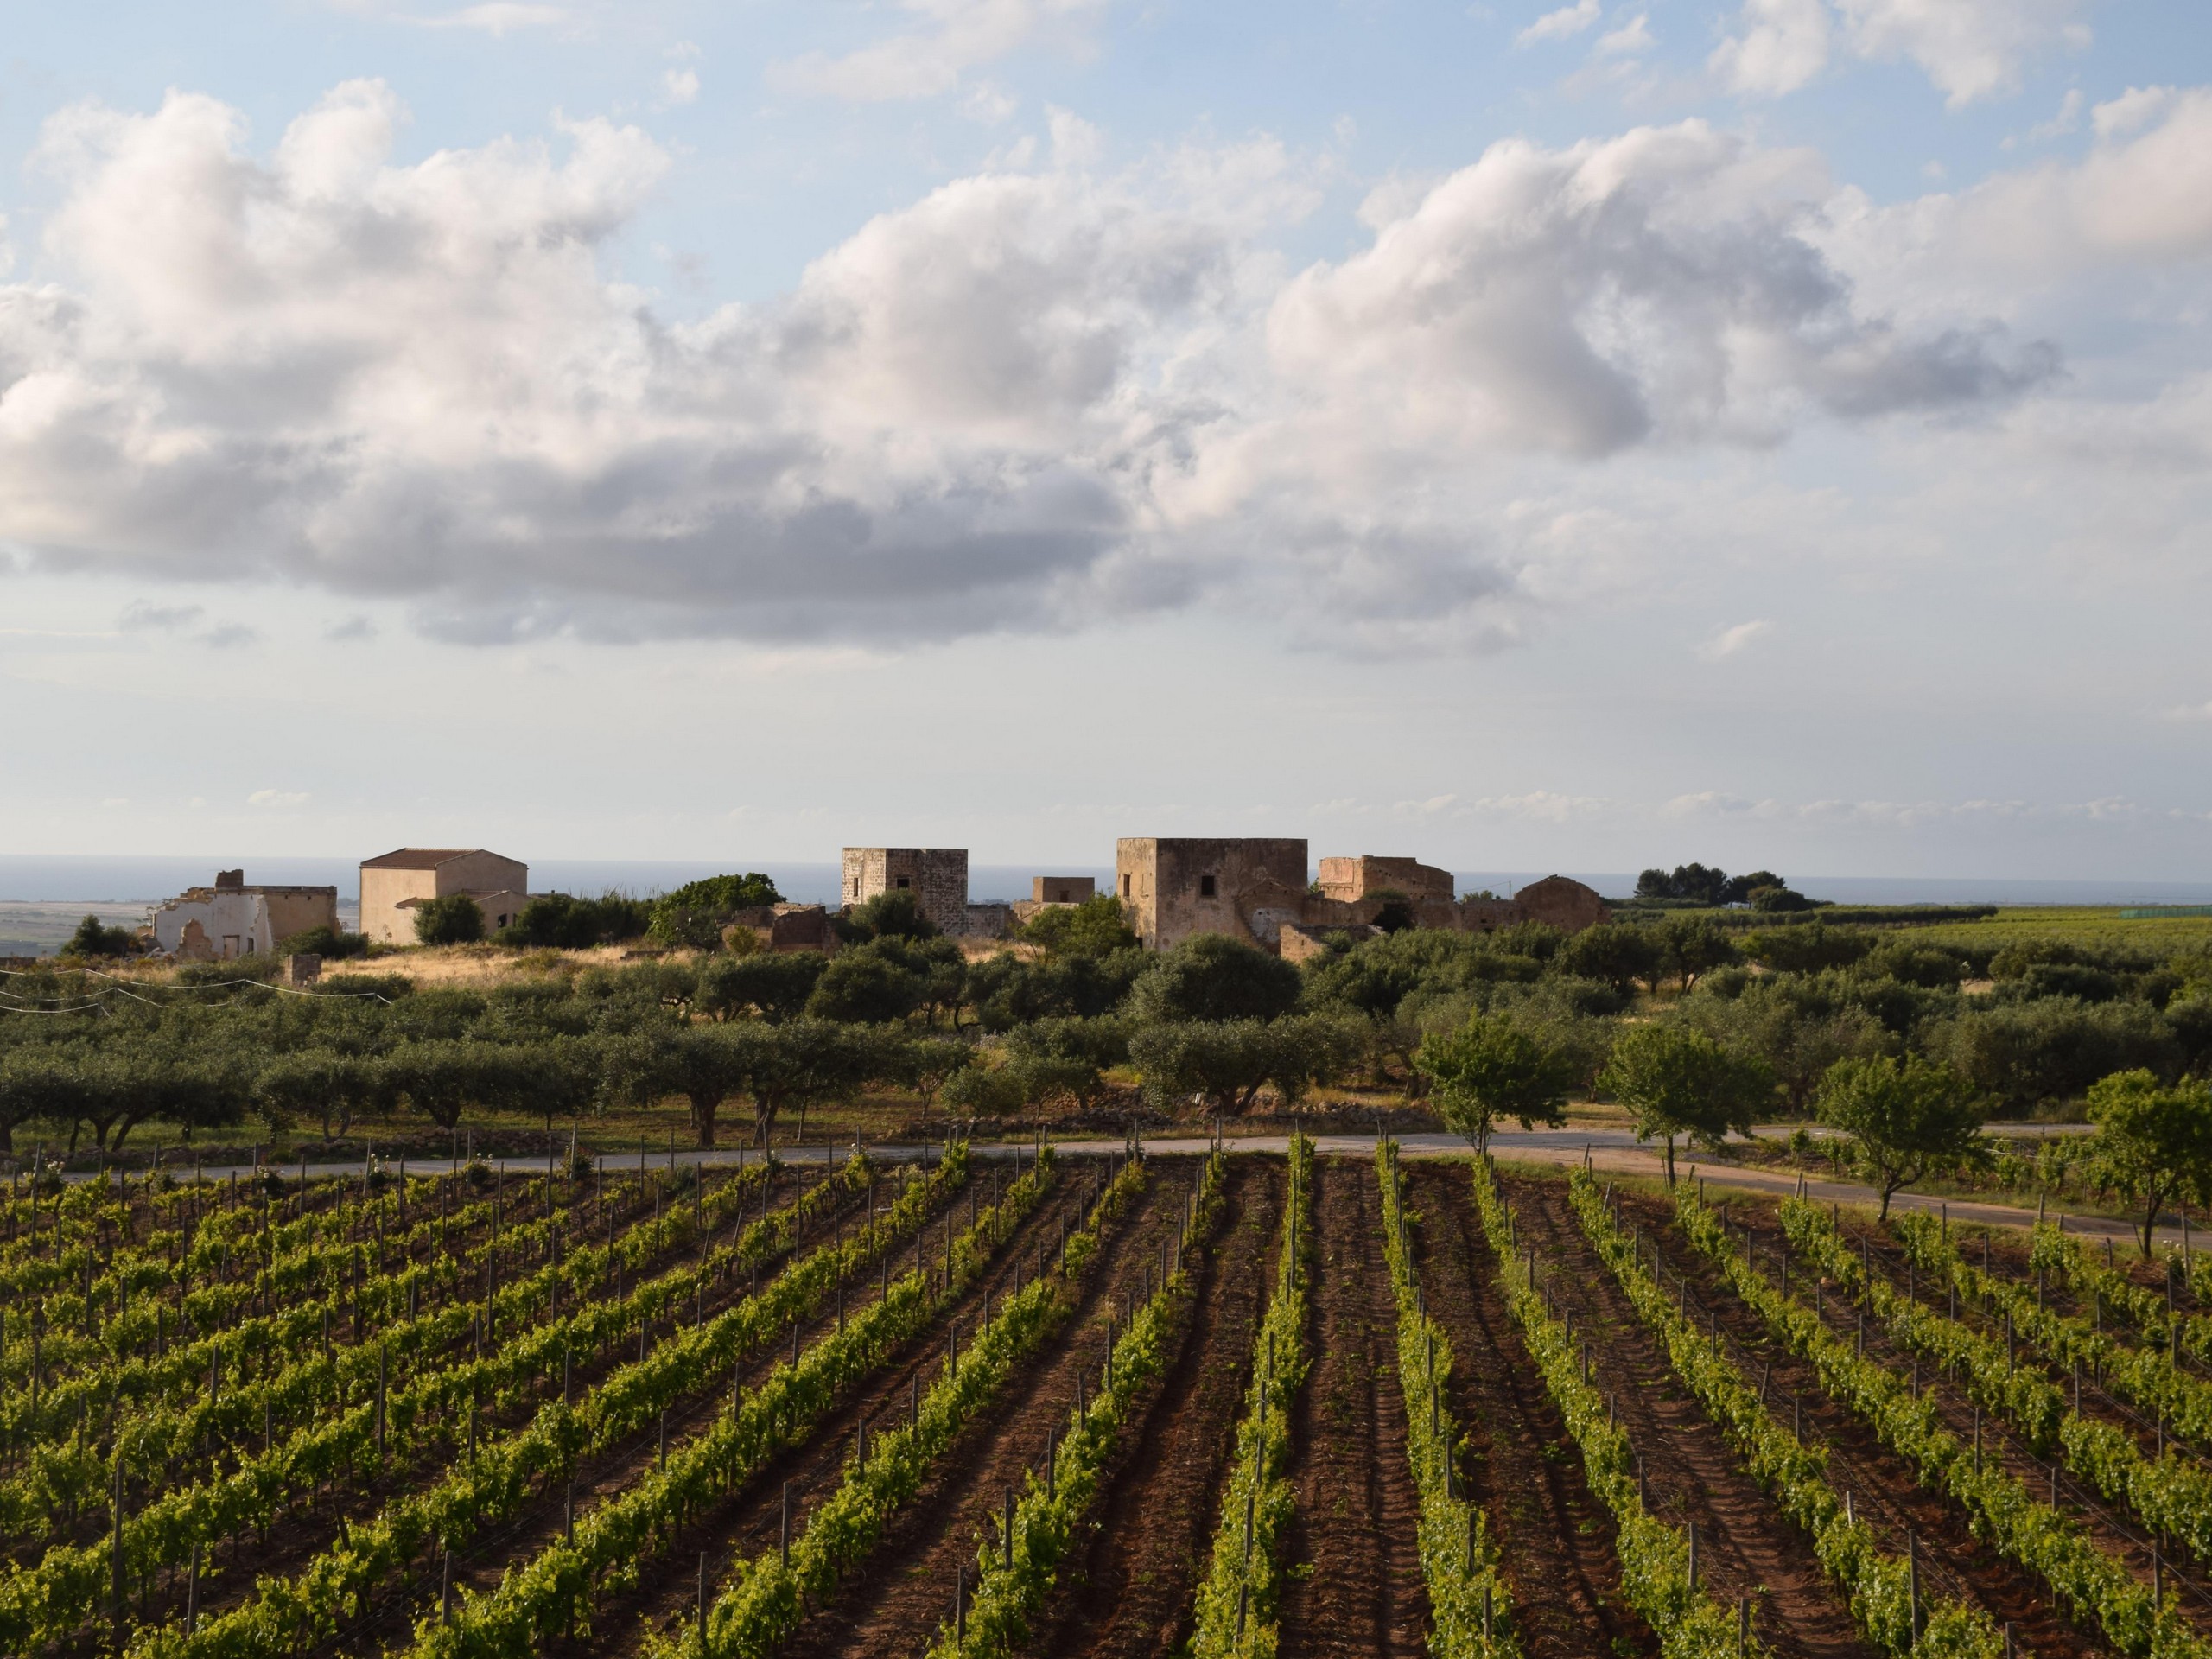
(1517, 1461)
(1129, 1594)
(893, 1607)
(1355, 1584)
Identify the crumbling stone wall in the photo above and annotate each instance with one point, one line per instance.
(1349, 880)
(1563, 902)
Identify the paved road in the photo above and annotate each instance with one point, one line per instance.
(1615, 1151)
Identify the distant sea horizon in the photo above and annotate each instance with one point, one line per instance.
(32, 878)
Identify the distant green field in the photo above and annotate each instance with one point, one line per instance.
(2085, 922)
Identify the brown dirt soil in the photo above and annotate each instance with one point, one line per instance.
(1355, 1585)
(1517, 1462)
(1744, 1546)
(1129, 1594)
(752, 1520)
(893, 1608)
(1886, 1493)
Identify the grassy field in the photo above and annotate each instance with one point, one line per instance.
(2082, 923)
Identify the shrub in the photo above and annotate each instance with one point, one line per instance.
(557, 921)
(1096, 927)
(456, 919)
(93, 940)
(332, 943)
(1213, 976)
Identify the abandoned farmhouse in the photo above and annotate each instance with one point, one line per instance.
(1253, 888)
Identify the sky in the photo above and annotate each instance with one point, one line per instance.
(1776, 433)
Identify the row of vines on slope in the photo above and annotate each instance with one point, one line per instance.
(2095, 1586)
(1654, 1558)
(1015, 1571)
(1879, 1586)
(1466, 1594)
(1236, 1605)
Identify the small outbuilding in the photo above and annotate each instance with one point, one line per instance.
(231, 919)
(395, 884)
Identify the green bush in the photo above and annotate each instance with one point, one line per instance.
(694, 914)
(456, 919)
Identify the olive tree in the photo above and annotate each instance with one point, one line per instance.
(1681, 1083)
(1490, 1068)
(2154, 1142)
(1214, 978)
(1908, 1116)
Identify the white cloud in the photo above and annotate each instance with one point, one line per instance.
(2132, 111)
(2142, 194)
(278, 797)
(1630, 38)
(1655, 286)
(1029, 400)
(679, 86)
(1718, 805)
(1729, 641)
(2068, 119)
(1560, 25)
(988, 105)
(1782, 46)
(497, 17)
(2193, 713)
(1970, 49)
(956, 36)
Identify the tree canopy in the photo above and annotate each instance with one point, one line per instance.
(1681, 1083)
(456, 919)
(1907, 1115)
(1490, 1068)
(694, 914)
(91, 939)
(1213, 976)
(2154, 1141)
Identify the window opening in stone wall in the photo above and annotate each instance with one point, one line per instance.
(1125, 886)
(1206, 886)
(902, 883)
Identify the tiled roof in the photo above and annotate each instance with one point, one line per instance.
(417, 858)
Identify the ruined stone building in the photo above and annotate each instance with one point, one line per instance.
(785, 928)
(1256, 888)
(936, 876)
(395, 886)
(1047, 891)
(233, 919)
(1175, 887)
